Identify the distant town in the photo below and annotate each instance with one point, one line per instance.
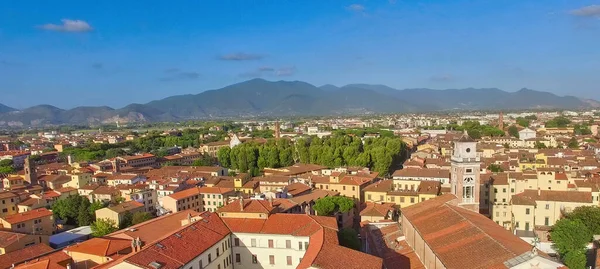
(521, 189)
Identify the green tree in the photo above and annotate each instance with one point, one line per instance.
(513, 131)
(523, 122)
(570, 235)
(343, 203)
(139, 217)
(559, 121)
(495, 168)
(126, 220)
(102, 227)
(348, 238)
(6, 167)
(540, 145)
(329, 205)
(95, 206)
(573, 144)
(84, 218)
(589, 216)
(575, 259)
(324, 207)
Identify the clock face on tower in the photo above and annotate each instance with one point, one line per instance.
(468, 180)
(468, 150)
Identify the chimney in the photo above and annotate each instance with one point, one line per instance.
(133, 246)
(539, 191)
(241, 204)
(189, 218)
(270, 201)
(70, 159)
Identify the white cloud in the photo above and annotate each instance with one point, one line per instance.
(589, 11)
(356, 8)
(68, 26)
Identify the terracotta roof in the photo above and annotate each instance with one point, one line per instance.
(380, 186)
(154, 229)
(106, 190)
(250, 206)
(182, 245)
(377, 209)
(551, 195)
(102, 246)
(22, 255)
(7, 238)
(29, 215)
(460, 237)
(297, 188)
(55, 178)
(384, 244)
(7, 194)
(126, 206)
(428, 173)
(54, 260)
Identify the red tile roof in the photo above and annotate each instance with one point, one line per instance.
(460, 237)
(250, 206)
(377, 209)
(29, 215)
(183, 245)
(550, 195)
(102, 247)
(8, 238)
(19, 256)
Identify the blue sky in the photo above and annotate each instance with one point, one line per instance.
(75, 53)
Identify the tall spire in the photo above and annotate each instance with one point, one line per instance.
(501, 121)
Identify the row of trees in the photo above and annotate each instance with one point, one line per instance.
(253, 157)
(379, 154)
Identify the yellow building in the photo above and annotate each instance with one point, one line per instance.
(537, 210)
(198, 199)
(351, 186)
(8, 203)
(116, 213)
(13, 241)
(38, 221)
(396, 192)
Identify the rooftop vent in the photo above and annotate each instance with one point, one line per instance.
(160, 245)
(178, 235)
(155, 265)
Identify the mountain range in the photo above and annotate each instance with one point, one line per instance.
(262, 98)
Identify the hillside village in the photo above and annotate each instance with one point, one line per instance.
(400, 191)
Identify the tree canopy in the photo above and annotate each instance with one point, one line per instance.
(6, 167)
(570, 238)
(495, 168)
(513, 131)
(76, 210)
(139, 217)
(348, 238)
(329, 205)
(559, 121)
(381, 154)
(102, 227)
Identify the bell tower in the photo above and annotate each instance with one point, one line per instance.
(30, 172)
(465, 166)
